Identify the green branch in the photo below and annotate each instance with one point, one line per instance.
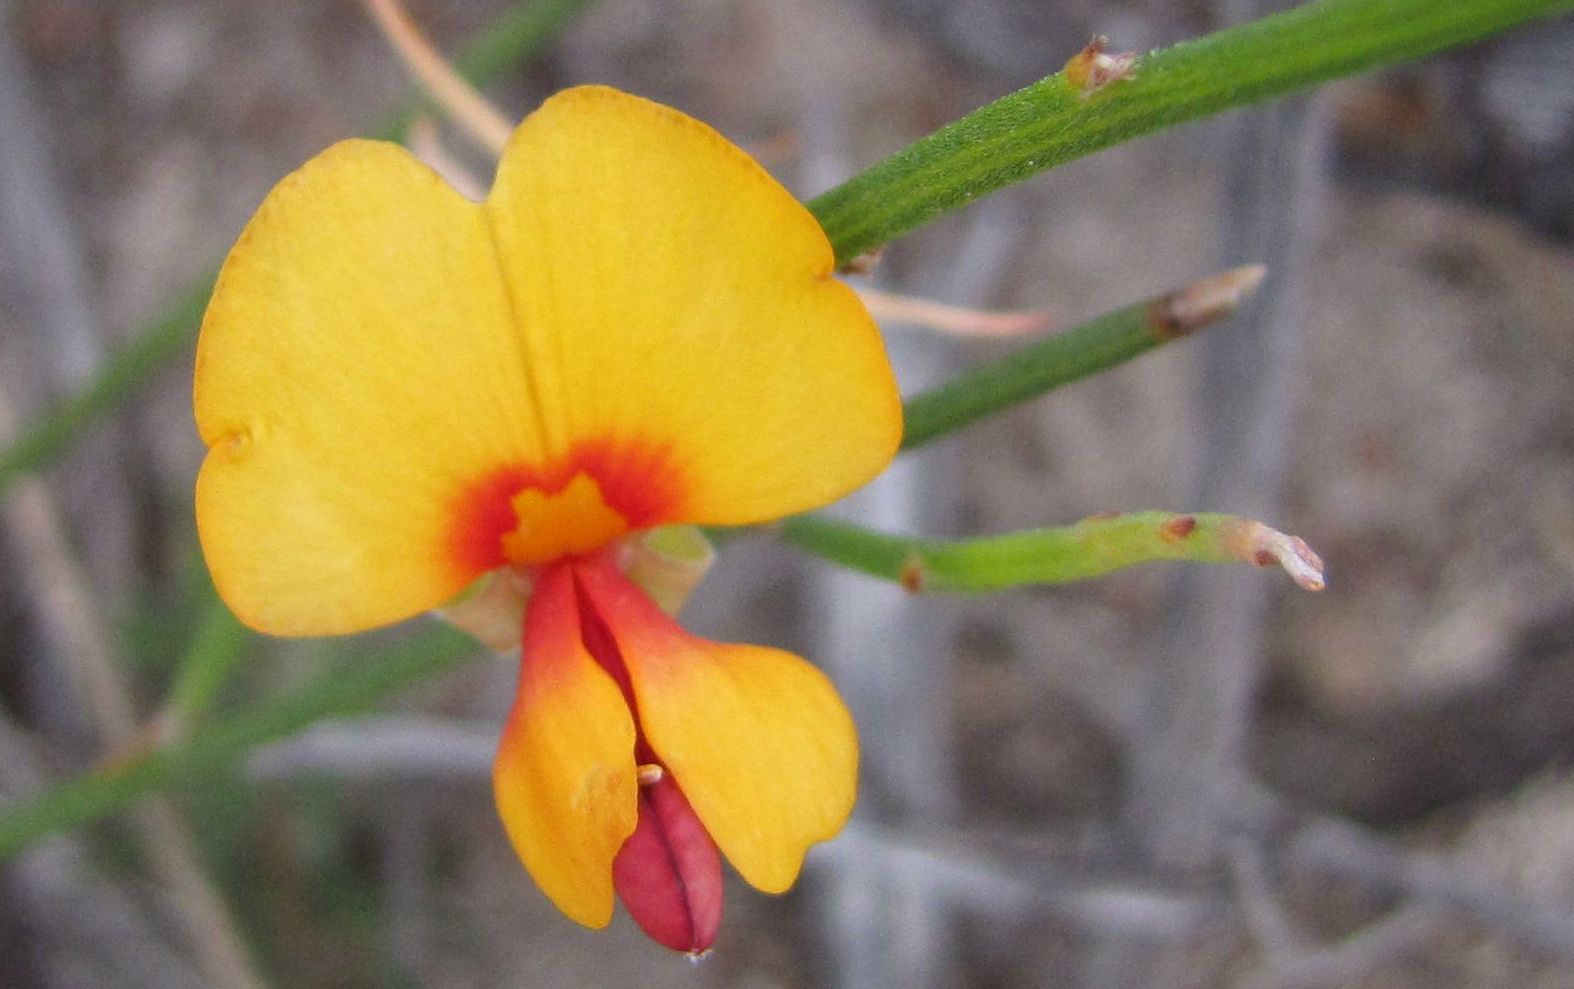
(1091, 548)
(1051, 122)
(1073, 354)
(216, 649)
(352, 689)
(126, 370)
(512, 40)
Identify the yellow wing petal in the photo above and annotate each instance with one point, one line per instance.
(677, 299)
(757, 738)
(357, 378)
(564, 777)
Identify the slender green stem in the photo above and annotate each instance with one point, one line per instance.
(353, 689)
(128, 369)
(1051, 122)
(216, 649)
(515, 37)
(1091, 548)
(1073, 354)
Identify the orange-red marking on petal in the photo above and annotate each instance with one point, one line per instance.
(636, 480)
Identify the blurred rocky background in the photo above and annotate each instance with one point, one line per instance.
(1168, 777)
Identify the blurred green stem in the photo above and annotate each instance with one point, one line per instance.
(126, 370)
(516, 37)
(216, 648)
(1052, 122)
(351, 689)
(1092, 547)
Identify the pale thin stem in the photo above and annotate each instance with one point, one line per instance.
(954, 320)
(423, 139)
(776, 149)
(470, 111)
(382, 746)
(1264, 917)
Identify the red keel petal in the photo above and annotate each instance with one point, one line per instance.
(668, 872)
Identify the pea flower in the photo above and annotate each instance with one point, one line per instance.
(403, 391)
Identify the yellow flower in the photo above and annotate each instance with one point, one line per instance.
(402, 391)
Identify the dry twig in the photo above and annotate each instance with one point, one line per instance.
(423, 139)
(471, 111)
(958, 321)
(1287, 957)
(1339, 848)
(93, 931)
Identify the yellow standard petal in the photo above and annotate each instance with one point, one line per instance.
(757, 738)
(357, 376)
(402, 390)
(564, 778)
(678, 301)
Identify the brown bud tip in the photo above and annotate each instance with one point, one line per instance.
(1093, 68)
(864, 263)
(1204, 301)
(911, 575)
(1177, 528)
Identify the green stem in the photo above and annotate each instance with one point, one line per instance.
(350, 690)
(216, 649)
(1073, 354)
(515, 37)
(1091, 548)
(153, 348)
(1050, 122)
